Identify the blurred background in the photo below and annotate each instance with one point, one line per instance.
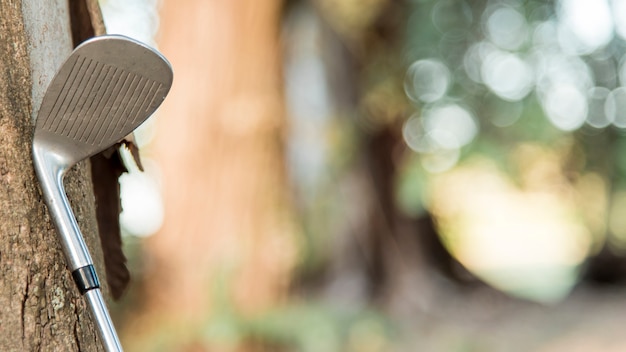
(379, 175)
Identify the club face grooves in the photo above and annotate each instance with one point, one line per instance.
(104, 90)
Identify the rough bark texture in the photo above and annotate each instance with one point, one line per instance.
(41, 308)
(219, 143)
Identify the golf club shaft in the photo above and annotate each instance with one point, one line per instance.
(103, 321)
(75, 249)
(85, 277)
(50, 176)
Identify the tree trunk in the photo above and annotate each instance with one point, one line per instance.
(41, 308)
(220, 145)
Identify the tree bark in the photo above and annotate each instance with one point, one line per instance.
(41, 308)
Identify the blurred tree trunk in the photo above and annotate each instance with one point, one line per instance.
(368, 61)
(403, 258)
(606, 266)
(220, 148)
(41, 308)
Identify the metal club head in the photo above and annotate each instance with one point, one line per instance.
(107, 87)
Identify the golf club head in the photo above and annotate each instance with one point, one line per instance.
(106, 88)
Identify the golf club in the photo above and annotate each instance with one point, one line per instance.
(107, 87)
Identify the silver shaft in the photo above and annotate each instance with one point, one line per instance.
(103, 321)
(50, 174)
